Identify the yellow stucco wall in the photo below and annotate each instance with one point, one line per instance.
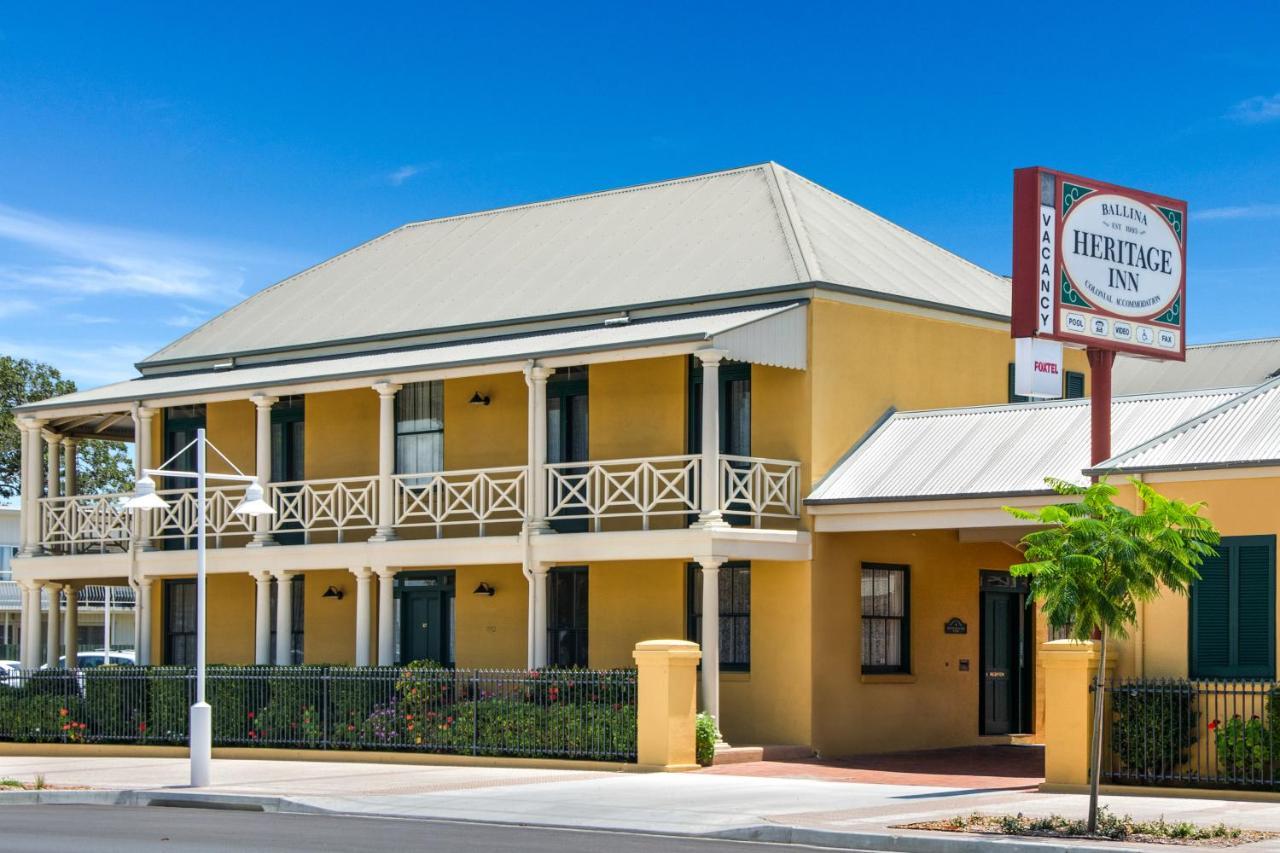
(629, 602)
(937, 705)
(490, 631)
(230, 427)
(341, 434)
(484, 436)
(329, 635)
(865, 360)
(637, 408)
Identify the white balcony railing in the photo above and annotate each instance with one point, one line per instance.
(339, 505)
(759, 488)
(481, 497)
(621, 488)
(752, 489)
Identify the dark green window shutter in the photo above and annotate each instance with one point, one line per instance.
(1211, 616)
(1233, 611)
(1255, 641)
(1014, 398)
(1075, 385)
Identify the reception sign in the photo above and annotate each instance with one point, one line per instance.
(1098, 265)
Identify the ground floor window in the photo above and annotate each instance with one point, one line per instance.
(735, 613)
(1233, 627)
(567, 616)
(180, 622)
(886, 631)
(297, 600)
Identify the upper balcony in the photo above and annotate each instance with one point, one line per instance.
(595, 496)
(579, 442)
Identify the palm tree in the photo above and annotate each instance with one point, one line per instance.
(1093, 562)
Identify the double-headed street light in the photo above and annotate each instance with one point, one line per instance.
(145, 498)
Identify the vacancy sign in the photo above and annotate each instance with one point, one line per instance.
(1037, 369)
(1098, 265)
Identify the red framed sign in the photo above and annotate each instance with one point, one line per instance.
(1098, 265)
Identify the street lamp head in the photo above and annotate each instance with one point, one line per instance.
(144, 496)
(253, 504)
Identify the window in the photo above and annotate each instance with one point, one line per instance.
(1015, 398)
(1233, 632)
(567, 421)
(180, 622)
(420, 428)
(735, 614)
(567, 616)
(288, 418)
(297, 591)
(735, 407)
(180, 425)
(6, 554)
(886, 628)
(1074, 385)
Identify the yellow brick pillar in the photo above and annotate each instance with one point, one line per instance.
(667, 676)
(1069, 669)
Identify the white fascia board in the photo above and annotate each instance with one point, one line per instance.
(925, 515)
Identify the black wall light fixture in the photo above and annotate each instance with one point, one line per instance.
(484, 589)
(478, 399)
(332, 592)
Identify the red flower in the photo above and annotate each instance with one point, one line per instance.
(65, 727)
(350, 727)
(62, 712)
(1213, 725)
(251, 715)
(253, 734)
(142, 727)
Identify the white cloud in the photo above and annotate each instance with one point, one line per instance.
(1257, 110)
(1243, 211)
(10, 307)
(88, 365)
(92, 259)
(404, 173)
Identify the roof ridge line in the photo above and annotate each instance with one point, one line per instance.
(1235, 390)
(1114, 464)
(808, 258)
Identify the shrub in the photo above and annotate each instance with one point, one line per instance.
(1153, 726)
(169, 697)
(1244, 746)
(706, 734)
(116, 701)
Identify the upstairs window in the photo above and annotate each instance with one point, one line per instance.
(420, 428)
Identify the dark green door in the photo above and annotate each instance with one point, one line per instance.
(426, 618)
(1003, 674)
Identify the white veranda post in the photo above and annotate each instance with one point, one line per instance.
(710, 638)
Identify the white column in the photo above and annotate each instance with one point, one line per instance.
(711, 634)
(262, 524)
(386, 462)
(142, 621)
(284, 618)
(363, 616)
(29, 652)
(53, 457)
(71, 640)
(536, 379)
(710, 515)
(54, 642)
(386, 616)
(69, 463)
(32, 486)
(142, 445)
(540, 614)
(262, 619)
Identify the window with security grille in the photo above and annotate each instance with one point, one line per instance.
(735, 613)
(886, 629)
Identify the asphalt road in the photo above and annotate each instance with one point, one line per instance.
(105, 829)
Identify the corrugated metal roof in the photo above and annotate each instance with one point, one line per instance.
(995, 450)
(768, 335)
(742, 230)
(1230, 364)
(1244, 431)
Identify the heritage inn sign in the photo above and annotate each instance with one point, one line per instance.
(1098, 265)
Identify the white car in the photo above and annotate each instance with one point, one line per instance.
(9, 670)
(91, 660)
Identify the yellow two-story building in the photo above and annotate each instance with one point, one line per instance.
(536, 435)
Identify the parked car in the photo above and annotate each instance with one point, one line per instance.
(9, 672)
(91, 660)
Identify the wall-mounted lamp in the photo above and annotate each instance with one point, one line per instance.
(332, 592)
(484, 589)
(478, 399)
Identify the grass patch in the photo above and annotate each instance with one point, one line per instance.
(1111, 827)
(11, 783)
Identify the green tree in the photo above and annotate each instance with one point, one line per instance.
(1094, 561)
(101, 466)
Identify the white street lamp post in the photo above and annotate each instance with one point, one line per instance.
(145, 498)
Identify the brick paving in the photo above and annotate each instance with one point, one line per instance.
(970, 767)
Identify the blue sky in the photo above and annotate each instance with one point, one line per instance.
(158, 163)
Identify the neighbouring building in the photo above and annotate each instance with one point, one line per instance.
(537, 435)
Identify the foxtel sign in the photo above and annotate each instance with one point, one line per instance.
(1098, 265)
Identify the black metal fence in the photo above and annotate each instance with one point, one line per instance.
(584, 714)
(1204, 734)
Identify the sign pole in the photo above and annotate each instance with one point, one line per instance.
(1100, 363)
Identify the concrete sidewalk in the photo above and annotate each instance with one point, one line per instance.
(839, 814)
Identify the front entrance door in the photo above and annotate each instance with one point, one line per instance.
(427, 617)
(1006, 633)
